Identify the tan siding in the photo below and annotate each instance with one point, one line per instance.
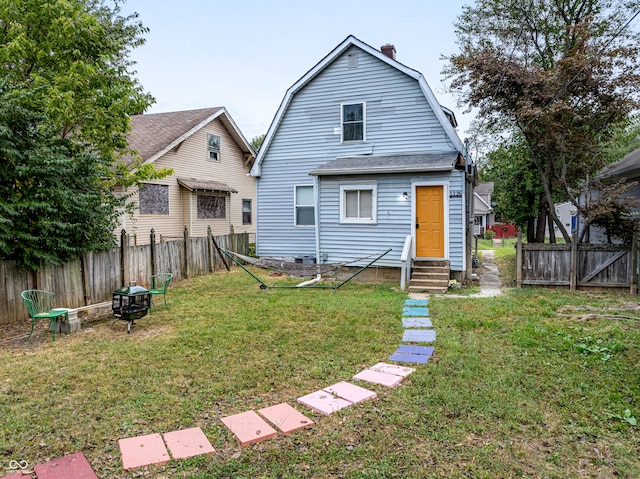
(191, 161)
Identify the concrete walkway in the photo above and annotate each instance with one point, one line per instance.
(490, 284)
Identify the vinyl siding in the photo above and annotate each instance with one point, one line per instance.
(398, 119)
(190, 160)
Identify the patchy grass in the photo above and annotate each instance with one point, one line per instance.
(532, 383)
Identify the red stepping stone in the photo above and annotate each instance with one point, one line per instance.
(393, 369)
(73, 466)
(143, 451)
(350, 392)
(249, 427)
(377, 377)
(323, 402)
(286, 418)
(188, 443)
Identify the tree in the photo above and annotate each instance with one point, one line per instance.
(66, 94)
(560, 73)
(256, 142)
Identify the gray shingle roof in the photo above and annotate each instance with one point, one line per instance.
(354, 165)
(484, 188)
(193, 184)
(150, 133)
(629, 166)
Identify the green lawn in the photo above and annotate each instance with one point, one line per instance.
(533, 383)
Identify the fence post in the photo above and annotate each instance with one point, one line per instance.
(86, 280)
(633, 289)
(573, 269)
(185, 235)
(519, 260)
(124, 258)
(210, 249)
(152, 239)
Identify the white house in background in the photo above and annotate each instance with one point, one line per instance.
(359, 156)
(566, 213)
(483, 215)
(210, 186)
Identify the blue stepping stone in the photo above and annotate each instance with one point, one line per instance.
(416, 302)
(405, 348)
(419, 336)
(409, 358)
(416, 322)
(415, 311)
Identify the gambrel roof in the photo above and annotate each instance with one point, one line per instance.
(441, 115)
(154, 134)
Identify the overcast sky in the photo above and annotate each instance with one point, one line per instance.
(244, 54)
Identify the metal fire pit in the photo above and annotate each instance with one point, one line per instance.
(130, 303)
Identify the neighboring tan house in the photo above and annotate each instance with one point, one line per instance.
(483, 215)
(210, 185)
(360, 156)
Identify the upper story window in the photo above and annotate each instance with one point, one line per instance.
(153, 199)
(213, 145)
(304, 206)
(353, 122)
(358, 204)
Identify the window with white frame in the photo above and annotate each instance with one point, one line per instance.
(213, 147)
(353, 122)
(304, 206)
(153, 199)
(358, 204)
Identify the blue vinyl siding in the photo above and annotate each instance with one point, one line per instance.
(398, 120)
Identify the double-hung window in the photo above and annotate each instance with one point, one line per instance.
(304, 206)
(358, 204)
(213, 146)
(246, 212)
(353, 122)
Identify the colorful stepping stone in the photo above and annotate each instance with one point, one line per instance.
(416, 322)
(419, 336)
(415, 311)
(416, 302)
(350, 392)
(286, 418)
(249, 428)
(73, 466)
(324, 402)
(142, 451)
(412, 354)
(402, 371)
(377, 377)
(188, 443)
(16, 475)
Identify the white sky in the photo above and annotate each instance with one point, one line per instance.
(244, 54)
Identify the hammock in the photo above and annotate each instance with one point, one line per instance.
(294, 268)
(298, 269)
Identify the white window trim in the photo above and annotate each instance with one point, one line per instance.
(295, 206)
(210, 150)
(374, 204)
(364, 121)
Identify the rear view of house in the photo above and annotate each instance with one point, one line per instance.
(210, 186)
(360, 158)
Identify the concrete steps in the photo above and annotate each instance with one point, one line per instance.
(430, 276)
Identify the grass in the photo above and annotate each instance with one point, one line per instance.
(533, 383)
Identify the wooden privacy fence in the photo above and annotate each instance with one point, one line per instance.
(577, 265)
(94, 277)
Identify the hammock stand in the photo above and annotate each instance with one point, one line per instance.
(318, 268)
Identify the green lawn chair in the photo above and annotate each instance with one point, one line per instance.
(40, 305)
(159, 285)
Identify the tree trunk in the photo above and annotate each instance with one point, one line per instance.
(552, 230)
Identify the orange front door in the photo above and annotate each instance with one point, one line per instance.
(429, 222)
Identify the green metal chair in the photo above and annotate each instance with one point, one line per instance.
(39, 303)
(159, 285)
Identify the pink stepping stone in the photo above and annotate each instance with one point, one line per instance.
(73, 466)
(393, 369)
(324, 402)
(188, 443)
(16, 475)
(377, 377)
(286, 418)
(143, 451)
(249, 428)
(350, 392)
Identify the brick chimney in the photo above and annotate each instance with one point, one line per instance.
(389, 50)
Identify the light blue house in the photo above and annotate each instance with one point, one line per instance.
(360, 157)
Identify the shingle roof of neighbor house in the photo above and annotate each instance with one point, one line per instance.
(628, 166)
(154, 134)
(484, 188)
